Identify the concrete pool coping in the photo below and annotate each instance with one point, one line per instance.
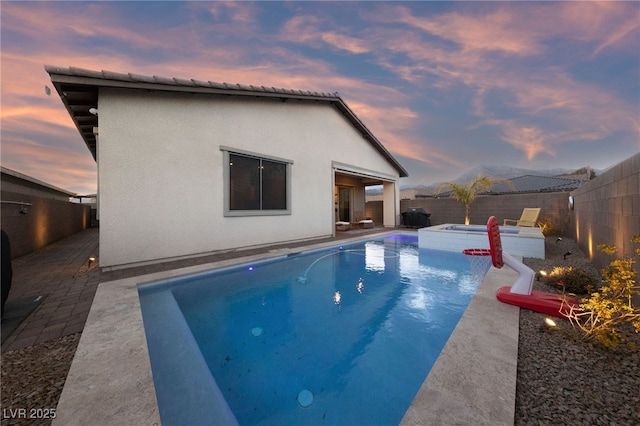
(473, 381)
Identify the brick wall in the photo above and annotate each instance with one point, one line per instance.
(47, 220)
(607, 211)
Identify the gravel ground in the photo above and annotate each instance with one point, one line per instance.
(565, 380)
(32, 380)
(562, 380)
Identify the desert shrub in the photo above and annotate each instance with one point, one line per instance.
(577, 281)
(549, 227)
(609, 315)
(571, 280)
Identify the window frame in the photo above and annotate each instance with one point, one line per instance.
(226, 153)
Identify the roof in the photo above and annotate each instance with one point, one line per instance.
(34, 181)
(531, 183)
(78, 88)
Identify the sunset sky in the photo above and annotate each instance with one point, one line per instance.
(445, 86)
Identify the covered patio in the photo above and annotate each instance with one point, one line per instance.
(349, 198)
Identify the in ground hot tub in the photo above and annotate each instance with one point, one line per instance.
(517, 241)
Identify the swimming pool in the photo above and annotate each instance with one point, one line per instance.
(334, 336)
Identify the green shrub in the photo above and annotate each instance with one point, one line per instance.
(609, 315)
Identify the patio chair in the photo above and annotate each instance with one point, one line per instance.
(529, 218)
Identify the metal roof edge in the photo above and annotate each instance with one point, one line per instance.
(33, 180)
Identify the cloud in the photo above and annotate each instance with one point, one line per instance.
(308, 30)
(531, 140)
(492, 31)
(233, 11)
(59, 166)
(54, 27)
(513, 91)
(27, 110)
(626, 32)
(346, 43)
(425, 80)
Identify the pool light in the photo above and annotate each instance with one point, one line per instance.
(305, 398)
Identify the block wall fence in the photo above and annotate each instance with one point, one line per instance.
(606, 211)
(554, 207)
(46, 220)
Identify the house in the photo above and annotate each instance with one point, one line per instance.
(187, 167)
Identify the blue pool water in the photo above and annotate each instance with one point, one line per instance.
(345, 335)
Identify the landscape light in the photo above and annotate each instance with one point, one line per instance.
(547, 324)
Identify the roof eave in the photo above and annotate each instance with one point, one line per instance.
(77, 77)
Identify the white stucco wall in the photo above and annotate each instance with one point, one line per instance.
(161, 171)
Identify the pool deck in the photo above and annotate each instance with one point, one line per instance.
(473, 381)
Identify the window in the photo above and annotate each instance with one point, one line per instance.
(255, 185)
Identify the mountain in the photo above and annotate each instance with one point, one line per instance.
(494, 171)
(497, 171)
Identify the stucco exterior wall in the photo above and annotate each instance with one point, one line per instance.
(160, 171)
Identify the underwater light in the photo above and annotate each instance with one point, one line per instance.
(305, 398)
(337, 297)
(250, 268)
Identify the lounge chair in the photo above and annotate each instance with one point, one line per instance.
(341, 225)
(364, 222)
(529, 218)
